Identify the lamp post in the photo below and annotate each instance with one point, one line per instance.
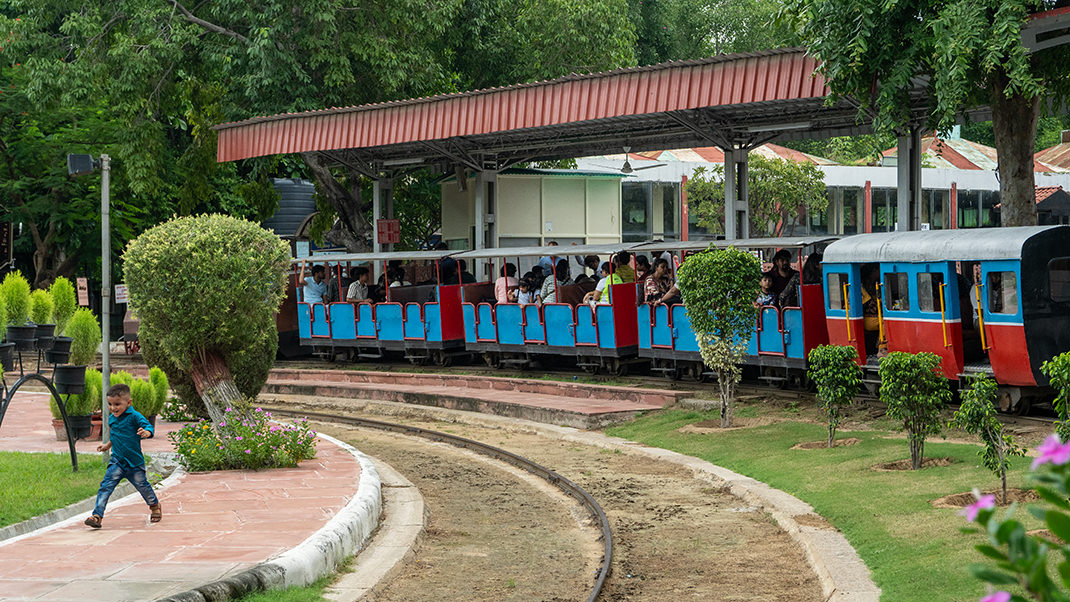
(78, 165)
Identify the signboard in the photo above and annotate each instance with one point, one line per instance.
(5, 243)
(120, 294)
(83, 291)
(388, 231)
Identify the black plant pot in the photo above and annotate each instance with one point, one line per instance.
(44, 343)
(69, 380)
(57, 357)
(62, 344)
(7, 356)
(46, 330)
(81, 426)
(22, 337)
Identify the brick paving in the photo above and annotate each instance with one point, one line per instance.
(215, 524)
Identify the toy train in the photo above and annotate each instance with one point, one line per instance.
(993, 301)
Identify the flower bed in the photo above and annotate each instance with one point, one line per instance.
(251, 441)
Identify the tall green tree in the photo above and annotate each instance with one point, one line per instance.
(963, 53)
(780, 193)
(690, 29)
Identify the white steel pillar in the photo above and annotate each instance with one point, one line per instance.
(736, 195)
(908, 180)
(730, 194)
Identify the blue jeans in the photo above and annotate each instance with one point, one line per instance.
(116, 473)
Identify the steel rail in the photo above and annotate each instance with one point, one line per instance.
(565, 485)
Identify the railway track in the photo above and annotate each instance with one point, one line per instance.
(569, 488)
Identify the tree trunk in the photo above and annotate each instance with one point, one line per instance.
(916, 453)
(352, 230)
(1014, 121)
(214, 384)
(725, 382)
(832, 435)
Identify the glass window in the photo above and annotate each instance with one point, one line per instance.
(1059, 279)
(1003, 292)
(896, 291)
(929, 291)
(851, 197)
(989, 215)
(835, 288)
(635, 211)
(968, 203)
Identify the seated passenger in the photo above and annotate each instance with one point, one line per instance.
(658, 283)
(315, 285)
(811, 274)
(547, 263)
(622, 270)
(871, 307)
(642, 268)
(397, 278)
(548, 292)
(447, 268)
(781, 272)
(537, 275)
(466, 277)
(358, 291)
(765, 296)
(505, 282)
(596, 295)
(525, 293)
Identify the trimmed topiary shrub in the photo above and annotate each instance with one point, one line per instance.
(915, 391)
(158, 379)
(84, 329)
(16, 293)
(143, 395)
(86, 402)
(41, 307)
(64, 302)
(834, 370)
(206, 290)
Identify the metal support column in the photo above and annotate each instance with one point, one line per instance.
(908, 179)
(386, 200)
(915, 178)
(730, 194)
(478, 230)
(743, 193)
(736, 193)
(105, 294)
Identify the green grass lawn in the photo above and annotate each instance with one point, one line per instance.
(33, 484)
(915, 551)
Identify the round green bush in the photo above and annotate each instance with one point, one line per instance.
(41, 307)
(208, 285)
(158, 379)
(144, 396)
(85, 330)
(16, 293)
(64, 302)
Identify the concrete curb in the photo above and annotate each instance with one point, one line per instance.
(839, 569)
(404, 518)
(344, 535)
(77, 511)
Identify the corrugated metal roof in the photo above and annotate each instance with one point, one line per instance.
(776, 75)
(712, 154)
(959, 153)
(560, 250)
(971, 244)
(1057, 156)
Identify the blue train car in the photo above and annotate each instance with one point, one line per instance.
(783, 336)
(420, 315)
(600, 336)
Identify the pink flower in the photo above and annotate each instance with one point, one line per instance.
(997, 597)
(238, 438)
(1052, 450)
(983, 503)
(248, 452)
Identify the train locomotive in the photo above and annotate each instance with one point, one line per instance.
(994, 301)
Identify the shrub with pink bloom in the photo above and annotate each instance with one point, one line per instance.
(253, 443)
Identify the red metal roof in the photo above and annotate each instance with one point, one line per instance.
(727, 80)
(1058, 155)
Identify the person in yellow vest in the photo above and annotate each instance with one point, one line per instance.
(870, 309)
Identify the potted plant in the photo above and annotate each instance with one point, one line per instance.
(80, 408)
(84, 331)
(143, 395)
(40, 313)
(16, 292)
(64, 303)
(7, 349)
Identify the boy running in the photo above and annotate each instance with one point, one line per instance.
(128, 428)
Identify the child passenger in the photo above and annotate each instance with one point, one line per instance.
(128, 428)
(765, 297)
(526, 293)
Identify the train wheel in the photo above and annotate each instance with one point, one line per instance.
(696, 372)
(591, 368)
(492, 359)
(618, 368)
(443, 359)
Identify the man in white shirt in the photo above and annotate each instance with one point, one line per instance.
(358, 291)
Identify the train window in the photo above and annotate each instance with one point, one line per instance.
(929, 291)
(1003, 292)
(835, 288)
(1059, 279)
(896, 291)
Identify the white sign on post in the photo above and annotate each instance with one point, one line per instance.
(120, 294)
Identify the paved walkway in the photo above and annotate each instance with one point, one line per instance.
(215, 525)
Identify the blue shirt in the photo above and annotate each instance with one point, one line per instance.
(314, 291)
(125, 442)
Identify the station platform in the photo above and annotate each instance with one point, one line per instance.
(216, 526)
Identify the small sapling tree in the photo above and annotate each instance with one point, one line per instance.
(206, 290)
(63, 302)
(977, 416)
(834, 370)
(915, 391)
(719, 287)
(1057, 369)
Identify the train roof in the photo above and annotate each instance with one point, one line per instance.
(975, 244)
(564, 250)
(381, 256)
(779, 242)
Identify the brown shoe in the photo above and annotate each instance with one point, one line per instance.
(156, 513)
(94, 521)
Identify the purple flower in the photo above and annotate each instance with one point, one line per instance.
(226, 410)
(258, 410)
(1052, 450)
(997, 597)
(248, 452)
(222, 423)
(983, 503)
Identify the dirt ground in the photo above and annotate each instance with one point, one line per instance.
(676, 537)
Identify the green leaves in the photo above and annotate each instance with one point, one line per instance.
(915, 390)
(834, 370)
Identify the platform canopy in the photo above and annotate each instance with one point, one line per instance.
(739, 100)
